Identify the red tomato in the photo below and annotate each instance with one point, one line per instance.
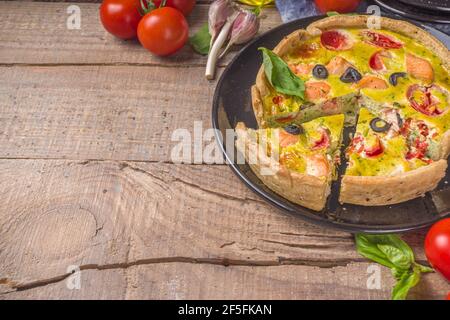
(341, 6)
(120, 17)
(374, 150)
(381, 40)
(163, 31)
(277, 99)
(448, 296)
(185, 6)
(324, 141)
(422, 100)
(336, 40)
(376, 60)
(437, 247)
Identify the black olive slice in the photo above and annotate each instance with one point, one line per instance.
(393, 78)
(293, 129)
(320, 72)
(379, 125)
(350, 75)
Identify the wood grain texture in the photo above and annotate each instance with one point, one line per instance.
(36, 33)
(92, 112)
(137, 225)
(151, 224)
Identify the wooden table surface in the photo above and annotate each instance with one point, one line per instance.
(86, 180)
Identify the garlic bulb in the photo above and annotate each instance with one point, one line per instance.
(219, 11)
(245, 27)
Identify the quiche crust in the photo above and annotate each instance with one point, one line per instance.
(303, 189)
(382, 190)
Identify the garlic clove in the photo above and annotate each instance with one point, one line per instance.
(245, 27)
(219, 11)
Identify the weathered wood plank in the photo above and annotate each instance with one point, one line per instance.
(204, 281)
(92, 112)
(109, 215)
(36, 33)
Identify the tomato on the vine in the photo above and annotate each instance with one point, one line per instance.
(163, 31)
(184, 6)
(120, 17)
(341, 6)
(437, 247)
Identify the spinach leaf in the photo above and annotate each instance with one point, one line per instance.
(200, 41)
(394, 253)
(282, 79)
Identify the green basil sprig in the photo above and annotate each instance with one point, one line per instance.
(282, 79)
(201, 40)
(394, 253)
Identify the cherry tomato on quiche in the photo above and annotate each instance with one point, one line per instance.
(437, 247)
(336, 40)
(381, 40)
(324, 141)
(375, 148)
(341, 6)
(163, 31)
(120, 17)
(376, 62)
(426, 99)
(185, 6)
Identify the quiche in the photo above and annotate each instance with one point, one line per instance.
(389, 85)
(297, 161)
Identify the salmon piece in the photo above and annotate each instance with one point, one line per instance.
(338, 65)
(317, 165)
(286, 139)
(317, 90)
(419, 68)
(302, 68)
(372, 82)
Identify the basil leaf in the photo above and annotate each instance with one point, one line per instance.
(396, 256)
(391, 251)
(407, 281)
(390, 248)
(332, 13)
(367, 248)
(398, 274)
(335, 13)
(282, 79)
(423, 269)
(200, 41)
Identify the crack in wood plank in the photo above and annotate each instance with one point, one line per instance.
(225, 262)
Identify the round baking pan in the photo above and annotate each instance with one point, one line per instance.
(232, 104)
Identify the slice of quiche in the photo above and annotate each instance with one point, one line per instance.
(298, 161)
(385, 165)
